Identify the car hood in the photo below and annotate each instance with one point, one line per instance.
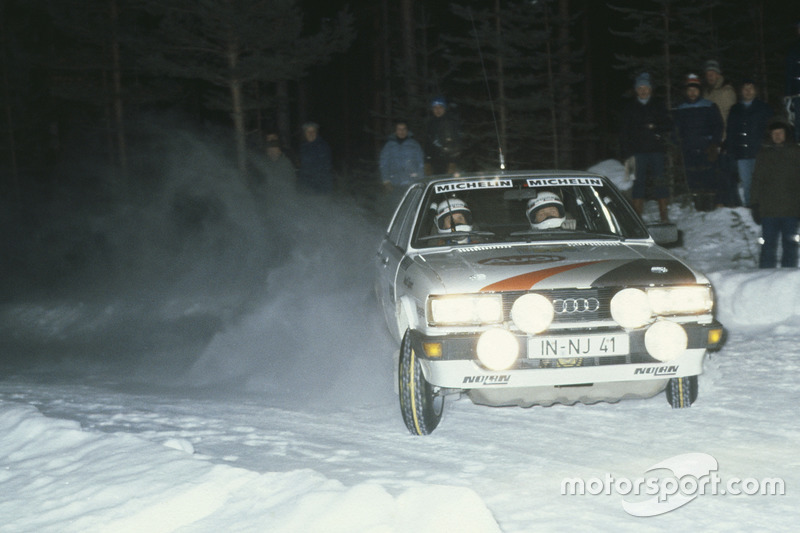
(553, 265)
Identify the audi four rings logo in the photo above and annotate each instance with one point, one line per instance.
(576, 305)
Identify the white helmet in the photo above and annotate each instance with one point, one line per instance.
(546, 199)
(449, 207)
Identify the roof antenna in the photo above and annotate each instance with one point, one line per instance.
(489, 92)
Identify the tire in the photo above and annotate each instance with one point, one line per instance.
(682, 392)
(420, 403)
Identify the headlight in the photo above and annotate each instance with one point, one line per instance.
(665, 340)
(497, 349)
(680, 300)
(630, 308)
(465, 310)
(532, 313)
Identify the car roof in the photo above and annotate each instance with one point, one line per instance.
(512, 174)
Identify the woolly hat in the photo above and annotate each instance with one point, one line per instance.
(642, 80)
(712, 65)
(692, 80)
(439, 100)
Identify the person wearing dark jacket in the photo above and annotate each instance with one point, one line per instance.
(645, 125)
(442, 139)
(747, 126)
(316, 168)
(775, 197)
(792, 96)
(699, 130)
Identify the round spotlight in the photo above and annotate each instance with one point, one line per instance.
(497, 349)
(532, 313)
(630, 308)
(666, 340)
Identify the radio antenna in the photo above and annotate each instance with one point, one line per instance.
(488, 92)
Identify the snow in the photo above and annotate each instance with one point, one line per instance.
(251, 390)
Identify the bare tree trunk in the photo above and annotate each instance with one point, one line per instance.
(237, 112)
(9, 111)
(116, 85)
(284, 124)
(551, 88)
(667, 54)
(409, 50)
(501, 87)
(565, 73)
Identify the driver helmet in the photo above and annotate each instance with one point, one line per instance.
(543, 200)
(450, 207)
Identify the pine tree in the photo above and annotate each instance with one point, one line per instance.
(233, 47)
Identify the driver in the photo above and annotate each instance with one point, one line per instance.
(546, 211)
(453, 214)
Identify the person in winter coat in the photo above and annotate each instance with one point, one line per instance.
(442, 140)
(645, 125)
(401, 160)
(279, 169)
(747, 126)
(775, 194)
(316, 167)
(699, 130)
(716, 90)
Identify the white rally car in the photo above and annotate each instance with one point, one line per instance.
(536, 288)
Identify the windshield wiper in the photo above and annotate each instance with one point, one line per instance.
(559, 233)
(455, 234)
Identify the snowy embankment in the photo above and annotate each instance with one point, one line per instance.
(57, 477)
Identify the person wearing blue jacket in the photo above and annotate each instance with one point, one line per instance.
(746, 130)
(402, 160)
(699, 129)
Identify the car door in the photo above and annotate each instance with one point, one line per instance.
(391, 252)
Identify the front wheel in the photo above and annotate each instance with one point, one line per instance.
(682, 392)
(420, 402)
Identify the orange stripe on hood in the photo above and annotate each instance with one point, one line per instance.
(524, 282)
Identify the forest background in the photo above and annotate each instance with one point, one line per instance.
(542, 80)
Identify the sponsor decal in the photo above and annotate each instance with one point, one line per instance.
(501, 379)
(515, 260)
(666, 370)
(524, 282)
(556, 182)
(472, 184)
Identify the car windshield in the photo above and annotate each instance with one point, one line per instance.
(523, 208)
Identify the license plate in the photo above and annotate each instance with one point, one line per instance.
(578, 346)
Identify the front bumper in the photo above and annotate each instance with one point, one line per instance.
(456, 365)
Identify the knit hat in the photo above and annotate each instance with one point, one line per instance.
(712, 65)
(439, 100)
(642, 80)
(692, 80)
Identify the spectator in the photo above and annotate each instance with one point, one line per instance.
(775, 194)
(279, 169)
(699, 129)
(443, 139)
(645, 125)
(717, 90)
(316, 168)
(792, 97)
(747, 126)
(401, 162)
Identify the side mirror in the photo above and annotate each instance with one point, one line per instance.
(665, 234)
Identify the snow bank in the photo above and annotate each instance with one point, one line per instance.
(57, 477)
(750, 300)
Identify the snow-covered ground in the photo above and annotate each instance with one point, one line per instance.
(234, 375)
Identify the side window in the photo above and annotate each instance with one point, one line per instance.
(404, 218)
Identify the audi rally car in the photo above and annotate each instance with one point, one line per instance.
(533, 289)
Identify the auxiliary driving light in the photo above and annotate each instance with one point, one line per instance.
(630, 308)
(532, 313)
(665, 340)
(497, 349)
